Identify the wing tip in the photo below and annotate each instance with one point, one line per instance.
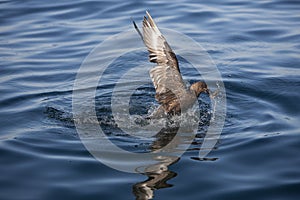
(150, 20)
(137, 28)
(147, 13)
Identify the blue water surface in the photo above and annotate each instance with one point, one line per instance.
(255, 46)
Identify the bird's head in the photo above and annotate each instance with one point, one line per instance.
(199, 87)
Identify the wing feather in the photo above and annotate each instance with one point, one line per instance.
(166, 76)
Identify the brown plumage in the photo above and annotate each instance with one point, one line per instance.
(171, 91)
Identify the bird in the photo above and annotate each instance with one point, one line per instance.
(170, 90)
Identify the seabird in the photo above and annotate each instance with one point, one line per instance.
(171, 92)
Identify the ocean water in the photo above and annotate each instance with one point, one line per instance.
(255, 45)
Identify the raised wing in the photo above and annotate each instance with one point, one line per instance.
(166, 75)
(159, 50)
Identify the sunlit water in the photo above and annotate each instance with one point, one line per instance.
(255, 46)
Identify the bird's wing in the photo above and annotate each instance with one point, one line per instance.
(166, 75)
(159, 50)
(167, 82)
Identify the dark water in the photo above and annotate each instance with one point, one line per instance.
(256, 47)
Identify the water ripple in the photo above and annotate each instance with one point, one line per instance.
(255, 45)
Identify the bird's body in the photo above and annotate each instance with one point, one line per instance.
(171, 92)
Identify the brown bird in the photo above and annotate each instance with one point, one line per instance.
(171, 92)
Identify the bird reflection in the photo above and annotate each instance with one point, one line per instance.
(158, 174)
